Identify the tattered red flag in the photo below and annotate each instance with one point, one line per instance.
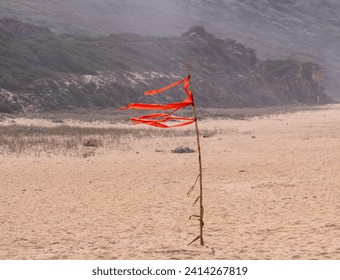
(159, 119)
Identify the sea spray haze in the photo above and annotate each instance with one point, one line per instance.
(44, 71)
(285, 29)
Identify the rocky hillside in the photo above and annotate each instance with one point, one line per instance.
(40, 70)
(277, 29)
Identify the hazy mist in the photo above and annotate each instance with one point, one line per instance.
(305, 30)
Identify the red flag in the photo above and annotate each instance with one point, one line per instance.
(159, 119)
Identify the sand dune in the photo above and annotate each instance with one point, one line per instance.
(271, 191)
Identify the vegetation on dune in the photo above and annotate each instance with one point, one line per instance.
(45, 71)
(39, 54)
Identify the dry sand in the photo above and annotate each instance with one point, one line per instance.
(271, 191)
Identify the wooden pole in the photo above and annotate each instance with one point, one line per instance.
(200, 164)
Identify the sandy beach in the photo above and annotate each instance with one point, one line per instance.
(271, 191)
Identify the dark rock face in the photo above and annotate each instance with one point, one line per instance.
(48, 71)
(300, 83)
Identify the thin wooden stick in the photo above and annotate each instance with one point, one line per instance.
(200, 166)
(192, 188)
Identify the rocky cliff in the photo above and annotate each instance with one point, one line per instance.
(41, 71)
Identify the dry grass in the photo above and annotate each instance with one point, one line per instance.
(81, 133)
(72, 140)
(75, 140)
